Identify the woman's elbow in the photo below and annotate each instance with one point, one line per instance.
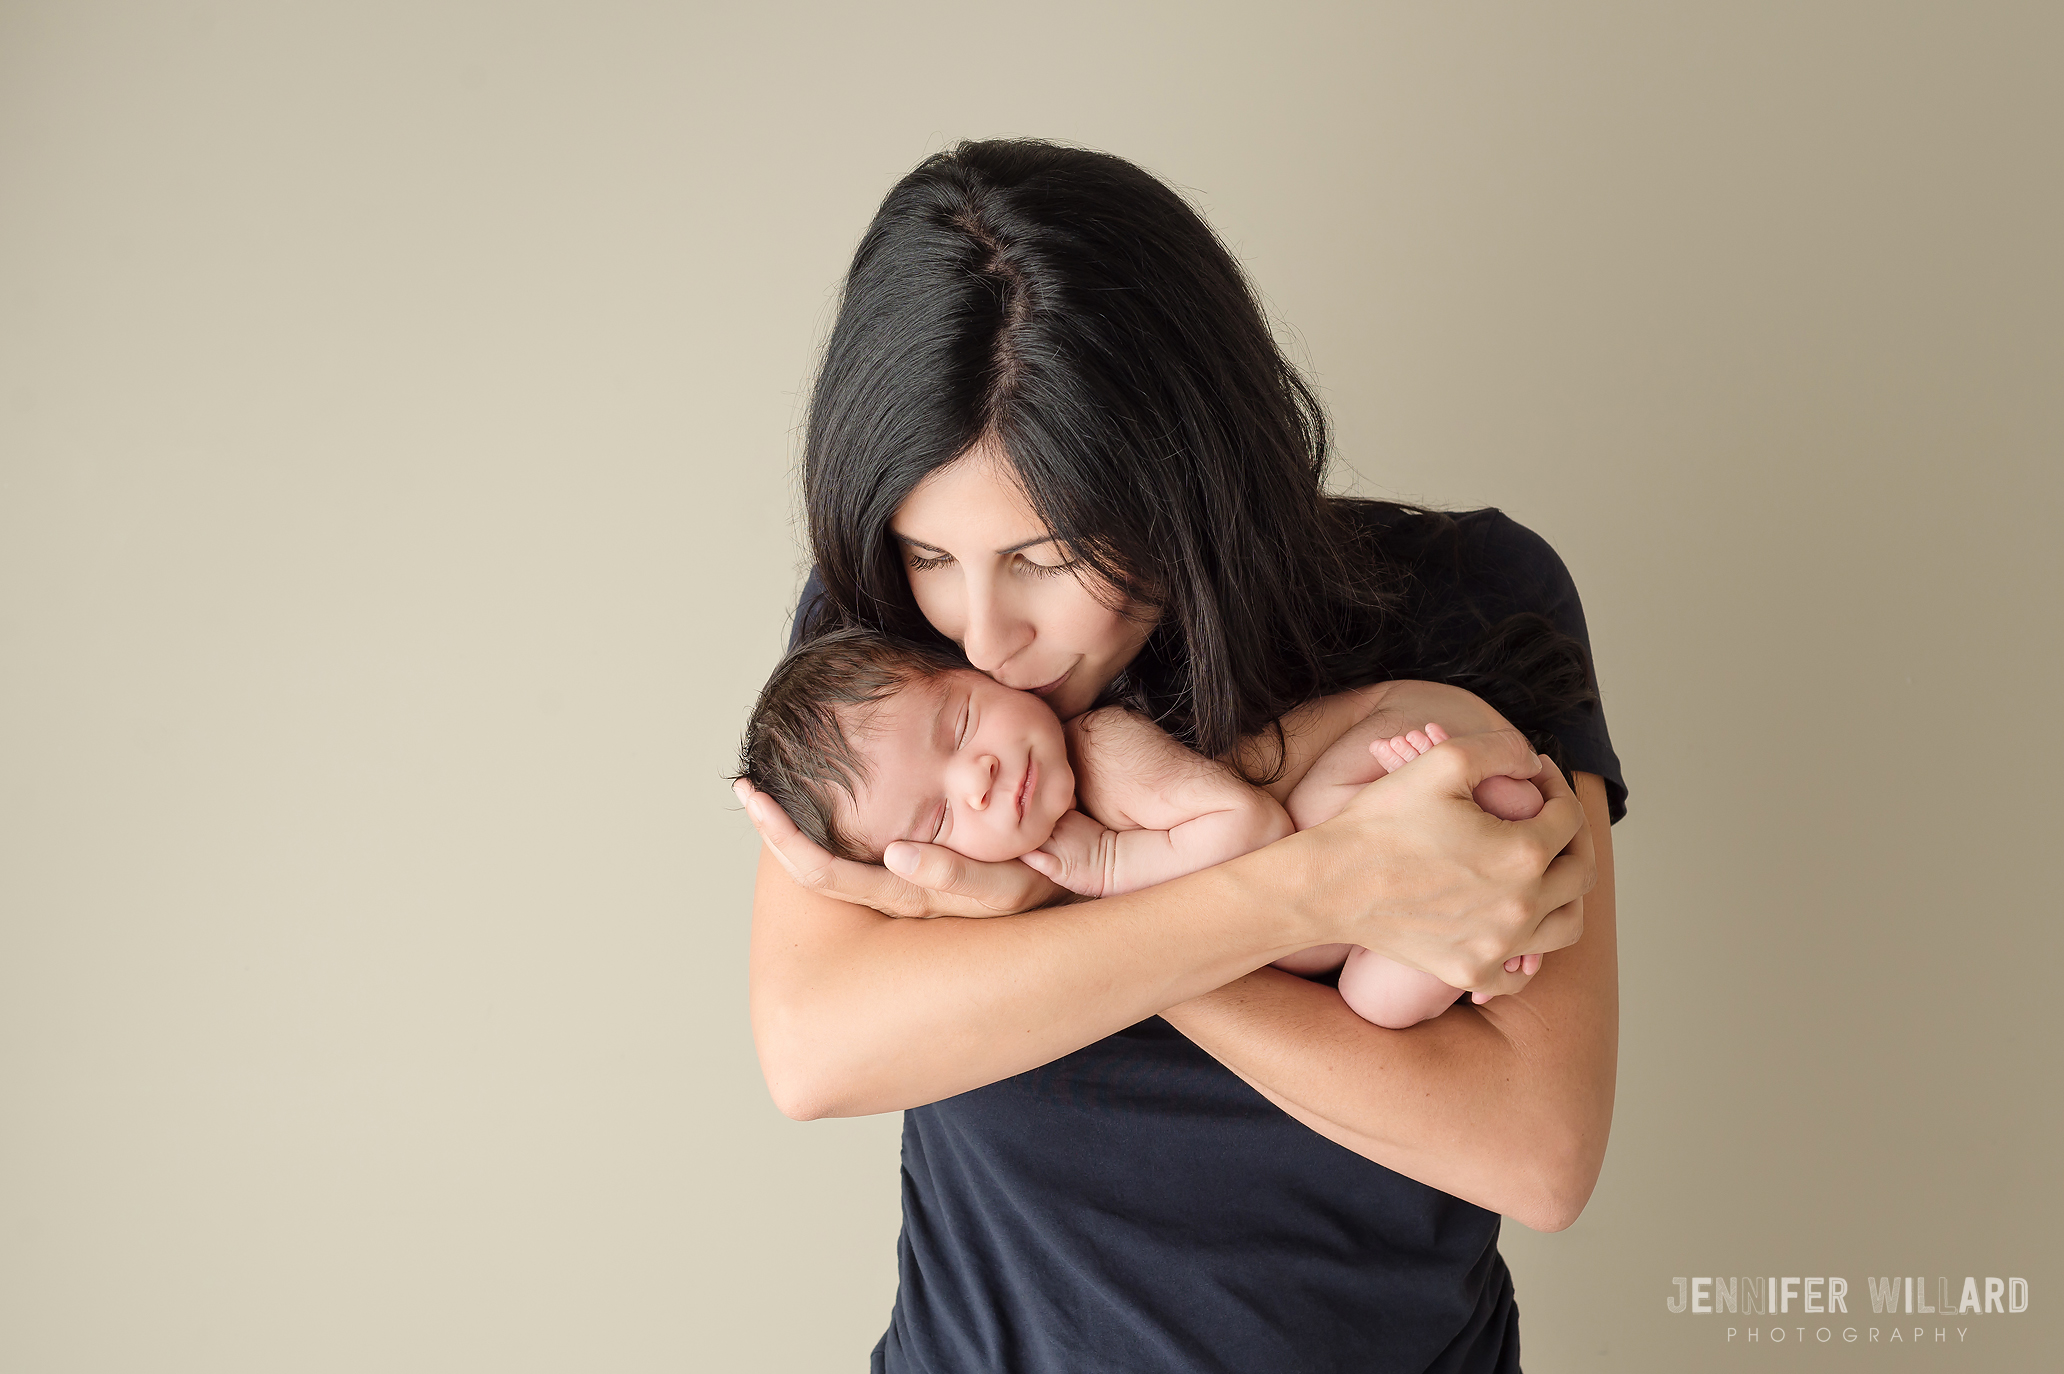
(1558, 1191)
(1552, 1212)
(803, 1092)
(796, 1102)
(803, 1081)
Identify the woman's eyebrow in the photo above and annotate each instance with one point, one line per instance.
(1015, 548)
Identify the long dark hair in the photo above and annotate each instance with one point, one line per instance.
(1074, 308)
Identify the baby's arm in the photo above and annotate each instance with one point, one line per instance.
(1149, 810)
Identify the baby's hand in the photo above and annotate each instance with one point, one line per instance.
(1080, 855)
(1509, 799)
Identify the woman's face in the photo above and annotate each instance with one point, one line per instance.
(990, 577)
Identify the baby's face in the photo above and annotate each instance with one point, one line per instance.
(962, 761)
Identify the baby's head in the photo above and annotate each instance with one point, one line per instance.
(864, 740)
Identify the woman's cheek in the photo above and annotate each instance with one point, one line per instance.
(941, 609)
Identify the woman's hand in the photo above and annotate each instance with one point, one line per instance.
(1414, 869)
(1507, 1105)
(921, 880)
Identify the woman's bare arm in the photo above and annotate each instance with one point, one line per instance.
(1507, 1105)
(855, 1012)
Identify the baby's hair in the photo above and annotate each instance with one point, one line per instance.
(797, 748)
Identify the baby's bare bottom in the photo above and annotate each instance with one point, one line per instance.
(1382, 990)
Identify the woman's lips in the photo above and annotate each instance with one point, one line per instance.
(1050, 687)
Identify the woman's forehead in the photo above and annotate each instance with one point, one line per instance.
(975, 502)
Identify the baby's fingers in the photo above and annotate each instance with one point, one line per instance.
(1074, 856)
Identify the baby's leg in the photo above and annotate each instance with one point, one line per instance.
(1317, 959)
(1391, 994)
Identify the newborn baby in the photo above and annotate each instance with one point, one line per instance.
(864, 740)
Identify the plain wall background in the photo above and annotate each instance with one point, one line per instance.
(396, 428)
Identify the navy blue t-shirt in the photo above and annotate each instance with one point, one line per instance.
(1135, 1207)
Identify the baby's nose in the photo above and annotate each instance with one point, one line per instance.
(982, 781)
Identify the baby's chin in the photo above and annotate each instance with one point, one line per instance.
(1002, 849)
(999, 849)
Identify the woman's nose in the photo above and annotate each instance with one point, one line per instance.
(977, 780)
(994, 632)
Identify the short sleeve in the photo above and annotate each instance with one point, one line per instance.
(1513, 570)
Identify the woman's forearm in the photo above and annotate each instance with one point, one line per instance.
(855, 1012)
(1507, 1105)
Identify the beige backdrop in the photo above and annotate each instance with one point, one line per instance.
(395, 521)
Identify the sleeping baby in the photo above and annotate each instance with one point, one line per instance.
(865, 740)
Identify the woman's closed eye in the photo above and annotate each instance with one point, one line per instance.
(1035, 569)
(918, 561)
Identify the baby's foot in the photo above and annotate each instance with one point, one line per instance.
(1522, 803)
(1397, 751)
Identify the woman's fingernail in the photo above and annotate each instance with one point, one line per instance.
(900, 858)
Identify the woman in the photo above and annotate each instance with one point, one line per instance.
(1051, 427)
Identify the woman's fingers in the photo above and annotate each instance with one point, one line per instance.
(1466, 760)
(1574, 869)
(960, 886)
(1500, 984)
(813, 867)
(1522, 967)
(928, 880)
(1477, 891)
(804, 859)
(1560, 928)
